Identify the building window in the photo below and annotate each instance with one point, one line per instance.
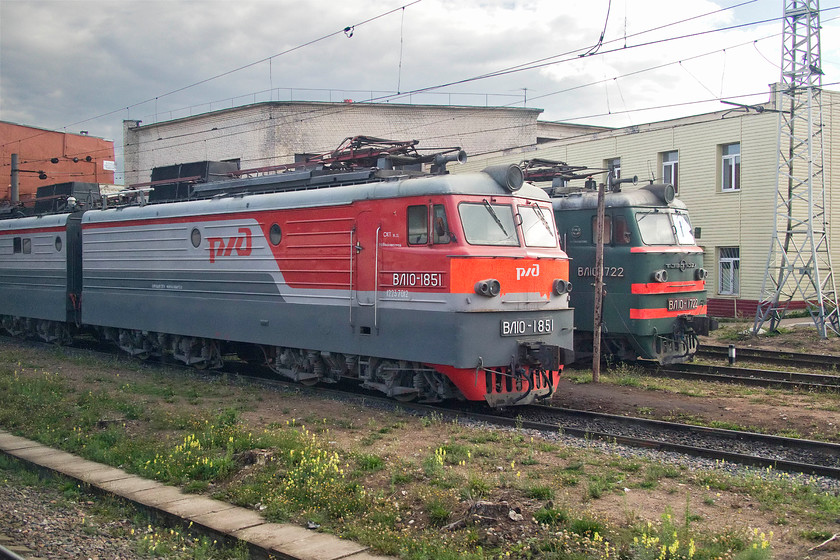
(731, 167)
(670, 168)
(729, 264)
(615, 165)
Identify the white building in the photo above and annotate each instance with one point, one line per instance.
(274, 133)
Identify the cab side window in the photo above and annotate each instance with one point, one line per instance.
(440, 225)
(418, 225)
(622, 231)
(607, 229)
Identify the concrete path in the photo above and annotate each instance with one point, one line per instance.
(213, 517)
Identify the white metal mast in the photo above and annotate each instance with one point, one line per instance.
(799, 260)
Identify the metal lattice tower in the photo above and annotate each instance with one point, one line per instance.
(799, 260)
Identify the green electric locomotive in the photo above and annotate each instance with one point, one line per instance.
(654, 297)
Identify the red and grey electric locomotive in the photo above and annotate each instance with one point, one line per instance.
(654, 301)
(424, 286)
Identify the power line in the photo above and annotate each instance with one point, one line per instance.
(344, 31)
(549, 61)
(330, 111)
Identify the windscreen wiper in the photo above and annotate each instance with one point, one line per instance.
(495, 217)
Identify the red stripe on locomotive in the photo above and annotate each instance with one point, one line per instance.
(662, 313)
(667, 249)
(668, 287)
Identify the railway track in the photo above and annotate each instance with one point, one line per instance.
(791, 359)
(733, 446)
(747, 376)
(746, 448)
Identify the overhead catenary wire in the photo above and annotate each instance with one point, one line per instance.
(316, 113)
(344, 31)
(331, 111)
(600, 42)
(391, 97)
(572, 54)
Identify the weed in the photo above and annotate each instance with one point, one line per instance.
(439, 511)
(477, 487)
(370, 462)
(551, 516)
(432, 419)
(539, 492)
(586, 526)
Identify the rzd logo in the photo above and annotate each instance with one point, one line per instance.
(219, 247)
(532, 271)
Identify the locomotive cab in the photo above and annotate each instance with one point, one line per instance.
(654, 302)
(469, 281)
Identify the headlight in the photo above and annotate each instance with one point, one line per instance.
(660, 276)
(489, 288)
(562, 286)
(700, 274)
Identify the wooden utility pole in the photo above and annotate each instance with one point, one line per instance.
(599, 286)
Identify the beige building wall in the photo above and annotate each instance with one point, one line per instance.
(742, 219)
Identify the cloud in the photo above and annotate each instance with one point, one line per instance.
(89, 64)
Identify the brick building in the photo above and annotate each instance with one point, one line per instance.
(47, 157)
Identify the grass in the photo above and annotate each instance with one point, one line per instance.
(357, 480)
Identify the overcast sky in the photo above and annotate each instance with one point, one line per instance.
(87, 65)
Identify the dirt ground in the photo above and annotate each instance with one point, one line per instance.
(716, 510)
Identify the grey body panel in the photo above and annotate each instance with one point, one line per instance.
(439, 337)
(34, 284)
